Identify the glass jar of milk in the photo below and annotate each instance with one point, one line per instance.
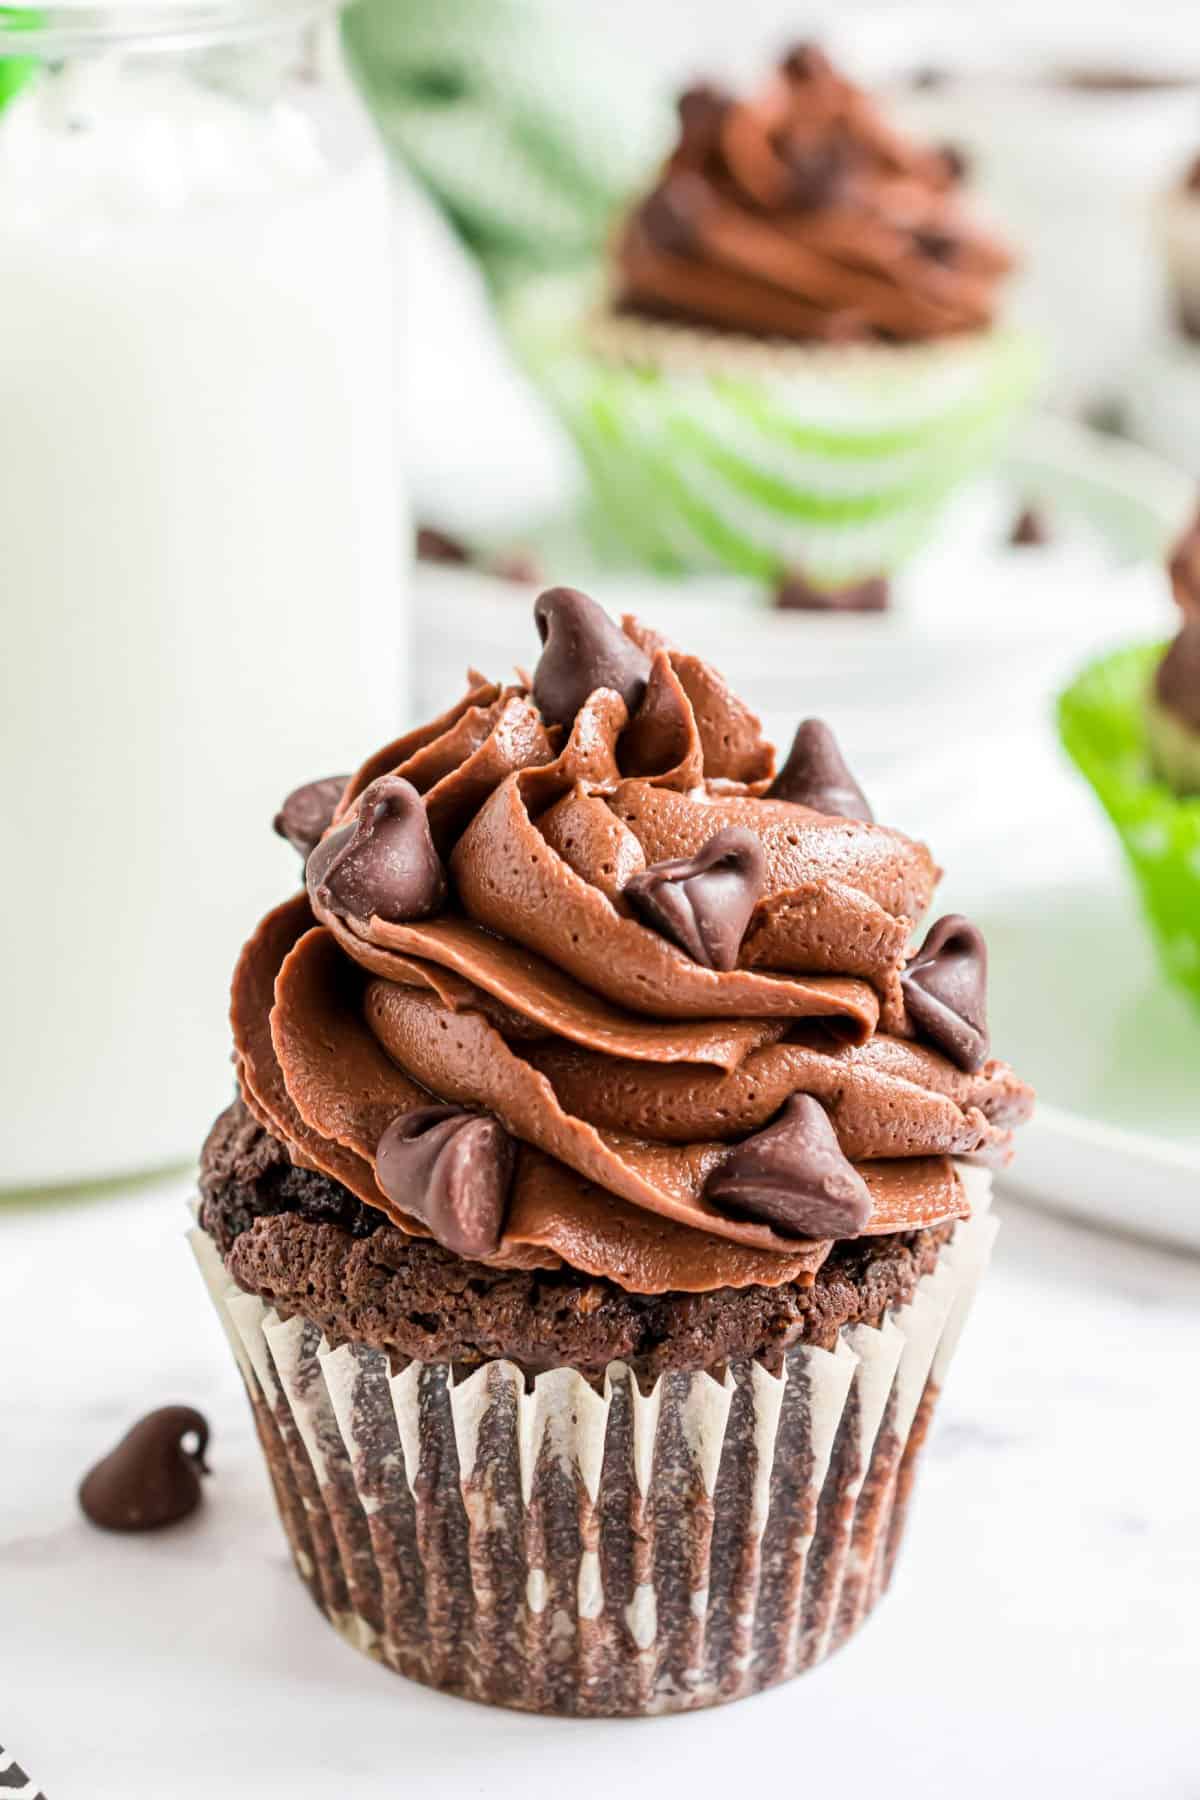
(199, 535)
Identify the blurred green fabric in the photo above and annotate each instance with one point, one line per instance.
(16, 70)
(517, 114)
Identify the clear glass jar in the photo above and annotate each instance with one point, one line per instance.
(198, 533)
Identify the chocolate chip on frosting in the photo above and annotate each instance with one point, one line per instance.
(382, 863)
(583, 650)
(307, 813)
(794, 1176)
(452, 1169)
(1184, 568)
(806, 62)
(671, 216)
(945, 990)
(702, 111)
(152, 1478)
(1177, 679)
(817, 172)
(815, 775)
(704, 902)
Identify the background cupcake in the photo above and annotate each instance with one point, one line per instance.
(796, 358)
(1132, 724)
(606, 1190)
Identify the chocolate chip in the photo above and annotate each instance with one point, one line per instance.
(382, 862)
(672, 214)
(817, 172)
(794, 1176)
(1029, 529)
(702, 111)
(945, 990)
(1177, 682)
(703, 903)
(439, 547)
(938, 246)
(307, 813)
(806, 62)
(584, 650)
(1184, 568)
(452, 1169)
(815, 775)
(152, 1478)
(796, 593)
(957, 162)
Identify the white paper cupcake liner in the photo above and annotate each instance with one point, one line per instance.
(564, 1547)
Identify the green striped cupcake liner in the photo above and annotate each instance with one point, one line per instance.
(1101, 719)
(518, 114)
(709, 453)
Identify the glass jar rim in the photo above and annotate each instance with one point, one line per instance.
(71, 29)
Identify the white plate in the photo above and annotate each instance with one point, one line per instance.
(1079, 1007)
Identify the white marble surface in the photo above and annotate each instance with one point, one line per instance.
(1041, 1636)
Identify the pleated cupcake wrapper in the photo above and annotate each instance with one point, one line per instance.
(1103, 726)
(711, 452)
(563, 1547)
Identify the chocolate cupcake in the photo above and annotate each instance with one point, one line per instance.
(606, 1187)
(1131, 721)
(797, 356)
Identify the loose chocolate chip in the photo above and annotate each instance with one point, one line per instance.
(452, 1169)
(671, 216)
(1029, 529)
(583, 650)
(945, 990)
(958, 163)
(439, 547)
(796, 593)
(307, 813)
(815, 775)
(704, 902)
(152, 1478)
(381, 863)
(794, 1176)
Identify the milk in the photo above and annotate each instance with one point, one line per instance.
(198, 562)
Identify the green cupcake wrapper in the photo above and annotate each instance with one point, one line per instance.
(837, 463)
(1101, 719)
(506, 110)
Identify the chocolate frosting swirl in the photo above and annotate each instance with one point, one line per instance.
(799, 213)
(618, 1070)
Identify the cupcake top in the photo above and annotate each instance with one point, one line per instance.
(581, 978)
(800, 213)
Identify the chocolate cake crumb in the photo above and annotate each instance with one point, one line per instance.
(303, 1244)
